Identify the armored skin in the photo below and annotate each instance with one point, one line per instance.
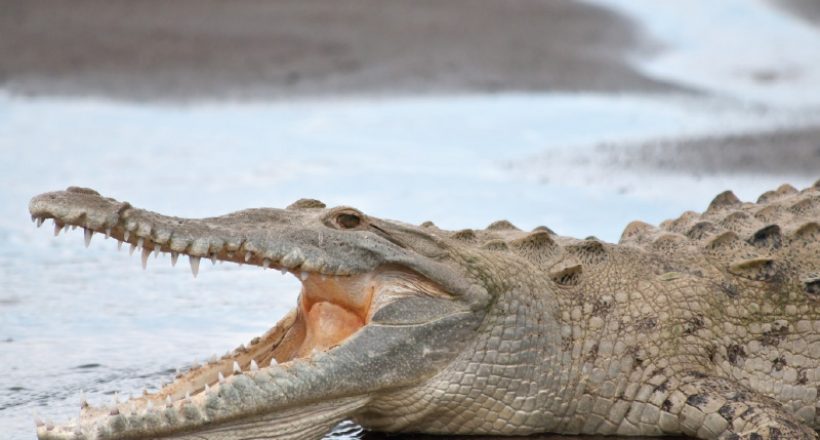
(708, 325)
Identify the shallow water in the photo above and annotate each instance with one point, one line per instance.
(76, 320)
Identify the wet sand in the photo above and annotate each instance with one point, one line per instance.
(246, 49)
(808, 10)
(783, 152)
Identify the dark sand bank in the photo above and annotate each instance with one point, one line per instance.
(808, 10)
(787, 152)
(190, 49)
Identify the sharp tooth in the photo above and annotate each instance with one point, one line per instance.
(145, 253)
(141, 242)
(119, 245)
(303, 276)
(284, 271)
(254, 365)
(57, 228)
(125, 236)
(73, 227)
(248, 256)
(88, 233)
(174, 258)
(168, 402)
(207, 389)
(266, 263)
(33, 218)
(39, 221)
(107, 233)
(157, 249)
(194, 265)
(236, 368)
(213, 259)
(220, 377)
(188, 396)
(131, 249)
(273, 362)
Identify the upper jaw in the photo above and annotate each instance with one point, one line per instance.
(297, 240)
(293, 240)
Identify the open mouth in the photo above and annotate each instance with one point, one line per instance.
(372, 315)
(331, 308)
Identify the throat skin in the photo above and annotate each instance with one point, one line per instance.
(707, 325)
(327, 325)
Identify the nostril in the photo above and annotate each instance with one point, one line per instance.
(348, 221)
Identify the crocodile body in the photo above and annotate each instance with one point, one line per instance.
(707, 326)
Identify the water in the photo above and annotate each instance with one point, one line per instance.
(76, 320)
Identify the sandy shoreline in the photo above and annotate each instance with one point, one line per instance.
(185, 50)
(808, 10)
(188, 50)
(783, 152)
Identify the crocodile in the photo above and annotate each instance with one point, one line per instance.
(707, 325)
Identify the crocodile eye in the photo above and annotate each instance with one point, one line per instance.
(347, 220)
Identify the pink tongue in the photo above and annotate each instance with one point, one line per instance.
(328, 325)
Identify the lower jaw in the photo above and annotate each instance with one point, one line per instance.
(244, 407)
(309, 422)
(243, 385)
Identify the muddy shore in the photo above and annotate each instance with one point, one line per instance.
(780, 152)
(808, 10)
(189, 50)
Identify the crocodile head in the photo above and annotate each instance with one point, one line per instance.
(384, 307)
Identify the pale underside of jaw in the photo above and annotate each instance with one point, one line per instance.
(331, 308)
